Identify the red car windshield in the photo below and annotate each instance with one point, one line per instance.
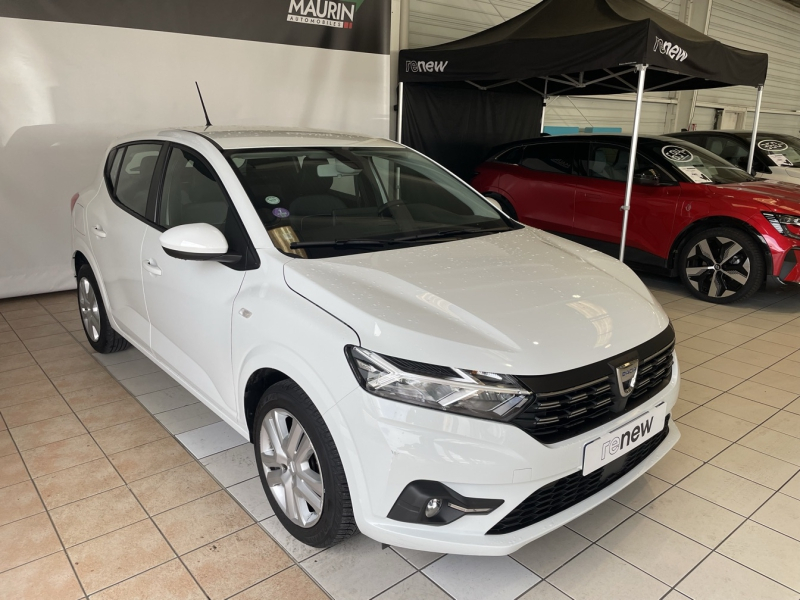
(699, 165)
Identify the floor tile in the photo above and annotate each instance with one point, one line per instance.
(168, 489)
(781, 381)
(766, 551)
(730, 491)
(10, 348)
(96, 396)
(149, 459)
(211, 439)
(39, 540)
(641, 492)
(24, 313)
(674, 466)
(252, 496)
(62, 338)
(129, 435)
(774, 443)
(777, 337)
(755, 466)
(741, 408)
(719, 578)
(655, 549)
(47, 432)
(133, 368)
(6, 443)
(16, 361)
(548, 553)
(77, 483)
(479, 577)
(708, 346)
(152, 382)
(293, 584)
(19, 501)
(544, 591)
(767, 348)
(30, 333)
(47, 355)
(792, 488)
(698, 519)
(118, 555)
(80, 381)
(115, 413)
(8, 337)
(725, 337)
(298, 550)
(741, 329)
(357, 568)
(61, 455)
(26, 392)
(682, 407)
(751, 357)
(596, 573)
(35, 410)
(418, 558)
(232, 466)
(68, 365)
(600, 520)
(116, 358)
(785, 422)
(202, 521)
(169, 399)
(699, 444)
(781, 513)
(693, 356)
(236, 562)
(10, 379)
(717, 423)
(96, 515)
(50, 577)
(763, 393)
(732, 367)
(415, 587)
(169, 581)
(186, 418)
(12, 470)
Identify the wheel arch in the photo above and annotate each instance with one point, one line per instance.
(78, 261)
(258, 383)
(717, 221)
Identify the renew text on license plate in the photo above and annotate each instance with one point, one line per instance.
(622, 440)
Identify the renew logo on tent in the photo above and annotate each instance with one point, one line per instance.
(673, 51)
(421, 66)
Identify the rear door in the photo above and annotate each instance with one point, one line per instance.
(117, 224)
(543, 191)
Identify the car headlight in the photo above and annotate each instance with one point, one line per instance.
(475, 393)
(788, 225)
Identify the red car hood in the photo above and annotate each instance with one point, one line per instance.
(772, 195)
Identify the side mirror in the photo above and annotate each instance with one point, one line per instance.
(646, 177)
(197, 241)
(494, 203)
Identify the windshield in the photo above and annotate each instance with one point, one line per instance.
(781, 150)
(322, 202)
(701, 166)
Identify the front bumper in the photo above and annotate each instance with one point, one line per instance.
(386, 445)
(789, 269)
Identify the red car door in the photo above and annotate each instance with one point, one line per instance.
(600, 195)
(542, 187)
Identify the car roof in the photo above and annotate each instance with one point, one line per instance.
(241, 137)
(736, 132)
(612, 137)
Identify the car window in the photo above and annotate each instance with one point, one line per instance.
(133, 183)
(112, 167)
(698, 165)
(734, 150)
(782, 150)
(191, 193)
(549, 158)
(511, 157)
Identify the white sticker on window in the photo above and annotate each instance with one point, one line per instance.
(780, 160)
(677, 154)
(772, 146)
(696, 175)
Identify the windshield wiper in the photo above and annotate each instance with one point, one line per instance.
(449, 233)
(336, 243)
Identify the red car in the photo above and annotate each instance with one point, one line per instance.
(693, 215)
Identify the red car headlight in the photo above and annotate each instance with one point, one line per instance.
(788, 225)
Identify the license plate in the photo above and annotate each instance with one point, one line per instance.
(623, 439)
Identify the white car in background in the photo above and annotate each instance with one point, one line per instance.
(407, 359)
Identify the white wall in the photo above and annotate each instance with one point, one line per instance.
(67, 90)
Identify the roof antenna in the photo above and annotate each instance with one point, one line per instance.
(205, 112)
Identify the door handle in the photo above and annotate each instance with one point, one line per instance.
(151, 266)
(98, 231)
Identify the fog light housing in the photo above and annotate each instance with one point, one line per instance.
(433, 503)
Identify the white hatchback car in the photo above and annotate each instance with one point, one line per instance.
(407, 359)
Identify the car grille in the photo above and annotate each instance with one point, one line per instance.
(553, 416)
(572, 489)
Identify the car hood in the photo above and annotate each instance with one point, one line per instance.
(771, 194)
(522, 302)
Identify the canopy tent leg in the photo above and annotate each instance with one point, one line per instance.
(755, 129)
(544, 105)
(632, 161)
(400, 113)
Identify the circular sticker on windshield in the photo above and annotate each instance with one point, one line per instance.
(772, 146)
(272, 200)
(281, 213)
(677, 154)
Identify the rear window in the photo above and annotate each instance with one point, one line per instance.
(136, 171)
(511, 157)
(549, 158)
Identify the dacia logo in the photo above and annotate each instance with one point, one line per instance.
(421, 66)
(673, 51)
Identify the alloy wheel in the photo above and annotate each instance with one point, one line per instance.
(90, 311)
(717, 267)
(291, 467)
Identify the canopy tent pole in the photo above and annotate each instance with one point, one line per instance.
(632, 160)
(544, 105)
(400, 113)
(755, 129)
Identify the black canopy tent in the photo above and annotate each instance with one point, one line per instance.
(579, 47)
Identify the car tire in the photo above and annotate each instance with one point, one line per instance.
(98, 330)
(507, 207)
(314, 507)
(722, 265)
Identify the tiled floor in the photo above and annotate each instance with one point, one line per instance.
(116, 483)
